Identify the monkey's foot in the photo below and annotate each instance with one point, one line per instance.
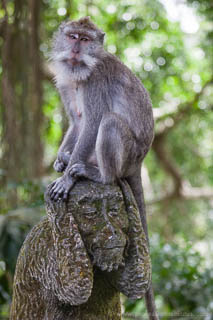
(78, 170)
(60, 188)
(81, 169)
(59, 166)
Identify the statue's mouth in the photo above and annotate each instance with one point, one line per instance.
(108, 248)
(108, 258)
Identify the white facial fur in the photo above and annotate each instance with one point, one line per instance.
(65, 74)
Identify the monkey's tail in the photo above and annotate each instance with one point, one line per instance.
(135, 183)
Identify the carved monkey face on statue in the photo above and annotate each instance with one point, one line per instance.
(76, 47)
(103, 225)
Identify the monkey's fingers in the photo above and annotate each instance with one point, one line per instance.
(56, 185)
(51, 185)
(51, 192)
(58, 194)
(78, 170)
(51, 189)
(57, 191)
(68, 188)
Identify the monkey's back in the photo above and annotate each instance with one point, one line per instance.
(116, 88)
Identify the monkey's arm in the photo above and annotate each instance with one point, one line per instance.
(83, 148)
(66, 149)
(86, 141)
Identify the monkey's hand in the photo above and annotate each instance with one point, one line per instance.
(60, 188)
(62, 161)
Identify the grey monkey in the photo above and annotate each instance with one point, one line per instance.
(110, 113)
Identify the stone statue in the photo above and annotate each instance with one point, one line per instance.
(77, 260)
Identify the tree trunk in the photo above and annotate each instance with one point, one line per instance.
(21, 92)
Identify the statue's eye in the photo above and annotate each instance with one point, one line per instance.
(113, 213)
(89, 212)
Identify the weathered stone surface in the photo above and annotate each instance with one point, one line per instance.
(133, 279)
(74, 263)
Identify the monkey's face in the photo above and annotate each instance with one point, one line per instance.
(79, 48)
(75, 52)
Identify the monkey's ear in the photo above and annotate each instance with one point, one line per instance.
(62, 25)
(86, 19)
(102, 36)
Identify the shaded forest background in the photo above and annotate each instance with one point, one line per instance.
(169, 45)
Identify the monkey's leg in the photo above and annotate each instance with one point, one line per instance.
(116, 148)
(115, 152)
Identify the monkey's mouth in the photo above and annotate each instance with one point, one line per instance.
(72, 62)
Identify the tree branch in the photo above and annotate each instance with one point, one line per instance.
(182, 189)
(183, 110)
(163, 156)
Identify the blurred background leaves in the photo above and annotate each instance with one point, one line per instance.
(169, 45)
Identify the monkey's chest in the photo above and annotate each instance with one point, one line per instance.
(77, 102)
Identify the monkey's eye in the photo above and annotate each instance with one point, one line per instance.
(85, 39)
(72, 36)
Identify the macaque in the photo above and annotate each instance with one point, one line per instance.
(110, 114)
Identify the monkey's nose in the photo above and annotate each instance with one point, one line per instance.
(75, 50)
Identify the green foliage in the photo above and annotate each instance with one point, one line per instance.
(181, 278)
(175, 67)
(28, 193)
(182, 283)
(14, 227)
(52, 131)
(5, 297)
